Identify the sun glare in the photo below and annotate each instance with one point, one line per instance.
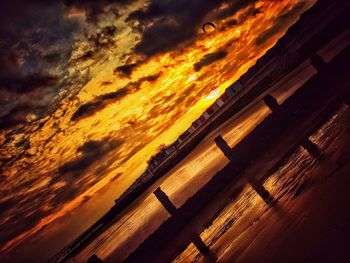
(213, 95)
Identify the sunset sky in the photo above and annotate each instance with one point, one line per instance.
(89, 90)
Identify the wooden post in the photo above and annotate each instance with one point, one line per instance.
(271, 102)
(169, 206)
(165, 201)
(200, 245)
(224, 147)
(312, 148)
(264, 194)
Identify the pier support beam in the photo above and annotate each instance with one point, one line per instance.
(264, 194)
(224, 147)
(312, 148)
(271, 102)
(165, 201)
(308, 145)
(170, 207)
(200, 245)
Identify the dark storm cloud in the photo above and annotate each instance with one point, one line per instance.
(27, 83)
(209, 59)
(231, 22)
(90, 152)
(97, 40)
(126, 70)
(94, 8)
(18, 115)
(103, 38)
(280, 23)
(36, 42)
(23, 95)
(100, 102)
(84, 57)
(87, 109)
(167, 24)
(35, 45)
(250, 11)
(91, 7)
(31, 32)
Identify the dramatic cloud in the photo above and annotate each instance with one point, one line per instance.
(94, 9)
(35, 46)
(167, 24)
(95, 42)
(20, 114)
(209, 59)
(100, 102)
(126, 70)
(90, 152)
(28, 83)
(234, 6)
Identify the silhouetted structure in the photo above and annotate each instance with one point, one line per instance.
(169, 206)
(312, 148)
(262, 192)
(308, 145)
(227, 150)
(165, 201)
(224, 147)
(200, 245)
(271, 102)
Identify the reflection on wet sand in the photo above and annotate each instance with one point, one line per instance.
(238, 224)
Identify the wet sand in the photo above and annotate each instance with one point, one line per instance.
(309, 223)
